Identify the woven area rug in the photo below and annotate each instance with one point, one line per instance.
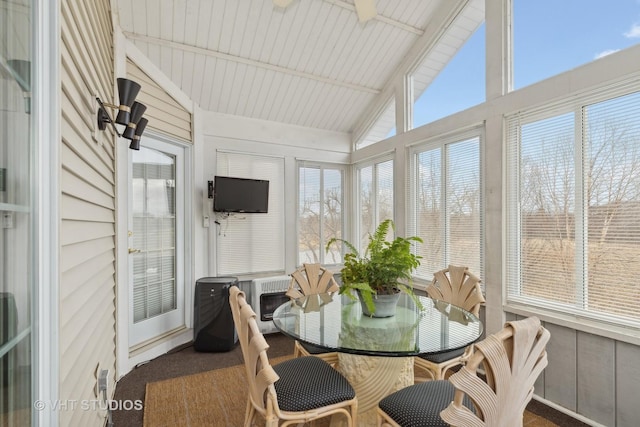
(217, 398)
(212, 398)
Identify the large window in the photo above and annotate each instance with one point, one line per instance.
(574, 32)
(320, 213)
(252, 243)
(18, 237)
(445, 184)
(375, 197)
(573, 202)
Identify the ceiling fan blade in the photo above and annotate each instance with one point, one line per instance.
(366, 9)
(282, 3)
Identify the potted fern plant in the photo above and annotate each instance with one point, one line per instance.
(381, 273)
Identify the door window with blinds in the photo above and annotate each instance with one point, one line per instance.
(375, 197)
(251, 242)
(445, 193)
(573, 205)
(320, 212)
(157, 236)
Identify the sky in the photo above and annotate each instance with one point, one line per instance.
(549, 37)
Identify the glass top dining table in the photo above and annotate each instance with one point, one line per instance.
(335, 322)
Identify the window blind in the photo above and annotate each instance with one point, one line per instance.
(445, 185)
(252, 243)
(375, 189)
(320, 213)
(573, 219)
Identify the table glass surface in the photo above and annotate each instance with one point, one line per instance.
(336, 323)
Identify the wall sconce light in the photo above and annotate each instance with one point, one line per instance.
(129, 113)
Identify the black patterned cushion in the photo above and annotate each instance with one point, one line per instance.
(441, 357)
(309, 382)
(420, 405)
(313, 349)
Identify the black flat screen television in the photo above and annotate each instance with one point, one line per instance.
(232, 194)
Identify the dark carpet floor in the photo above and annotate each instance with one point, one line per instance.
(185, 360)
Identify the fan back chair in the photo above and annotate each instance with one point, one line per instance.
(512, 360)
(312, 279)
(454, 285)
(295, 391)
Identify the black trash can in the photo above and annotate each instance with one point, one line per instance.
(213, 326)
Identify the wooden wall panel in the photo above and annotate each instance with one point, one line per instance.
(560, 374)
(596, 378)
(627, 385)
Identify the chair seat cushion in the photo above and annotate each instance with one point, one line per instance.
(309, 382)
(442, 357)
(420, 405)
(313, 349)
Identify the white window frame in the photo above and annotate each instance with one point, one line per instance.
(440, 142)
(358, 169)
(322, 166)
(614, 326)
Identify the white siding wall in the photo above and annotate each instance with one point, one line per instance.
(87, 208)
(165, 114)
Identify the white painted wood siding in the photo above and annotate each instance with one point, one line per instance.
(164, 113)
(87, 208)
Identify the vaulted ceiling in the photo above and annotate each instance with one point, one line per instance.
(311, 64)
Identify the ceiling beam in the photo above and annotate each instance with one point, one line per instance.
(247, 61)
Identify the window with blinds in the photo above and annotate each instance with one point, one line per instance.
(320, 213)
(375, 197)
(445, 185)
(252, 243)
(573, 203)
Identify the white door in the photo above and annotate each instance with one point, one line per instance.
(156, 239)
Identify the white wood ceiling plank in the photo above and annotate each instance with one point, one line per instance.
(302, 98)
(366, 44)
(202, 23)
(324, 107)
(244, 96)
(125, 15)
(295, 32)
(230, 74)
(272, 42)
(318, 61)
(192, 11)
(228, 24)
(198, 78)
(315, 35)
(240, 27)
(261, 98)
(253, 17)
(375, 67)
(292, 98)
(308, 106)
(346, 112)
(151, 16)
(347, 35)
(254, 85)
(166, 17)
(204, 97)
(237, 84)
(166, 60)
(274, 99)
(177, 59)
(218, 83)
(179, 21)
(261, 31)
(393, 55)
(216, 25)
(188, 67)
